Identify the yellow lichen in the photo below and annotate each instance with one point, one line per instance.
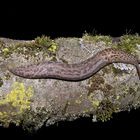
(53, 47)
(78, 101)
(5, 51)
(15, 103)
(95, 102)
(118, 97)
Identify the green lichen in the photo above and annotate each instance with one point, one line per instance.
(19, 48)
(128, 43)
(13, 106)
(25, 48)
(33, 120)
(53, 48)
(130, 96)
(97, 38)
(95, 102)
(31, 48)
(105, 110)
(117, 71)
(43, 41)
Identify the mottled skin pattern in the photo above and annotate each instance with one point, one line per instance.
(78, 71)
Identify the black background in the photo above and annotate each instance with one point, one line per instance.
(123, 124)
(70, 19)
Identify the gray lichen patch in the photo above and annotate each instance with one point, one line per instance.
(70, 50)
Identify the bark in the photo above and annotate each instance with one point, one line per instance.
(32, 103)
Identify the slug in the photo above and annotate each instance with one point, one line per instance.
(77, 71)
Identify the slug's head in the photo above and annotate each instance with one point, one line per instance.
(118, 56)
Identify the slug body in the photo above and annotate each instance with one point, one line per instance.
(78, 71)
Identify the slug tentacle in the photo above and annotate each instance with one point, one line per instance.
(78, 71)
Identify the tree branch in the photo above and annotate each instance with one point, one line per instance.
(32, 103)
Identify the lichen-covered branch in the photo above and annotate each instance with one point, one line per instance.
(32, 103)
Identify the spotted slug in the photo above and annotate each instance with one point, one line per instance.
(77, 71)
